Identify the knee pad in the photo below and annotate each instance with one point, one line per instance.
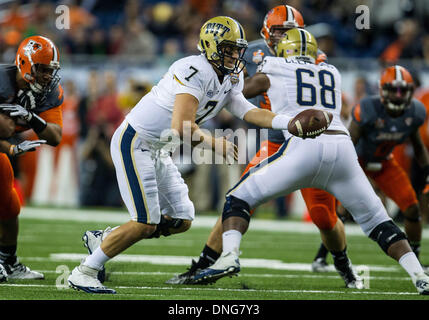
(163, 228)
(386, 234)
(322, 217)
(412, 214)
(235, 207)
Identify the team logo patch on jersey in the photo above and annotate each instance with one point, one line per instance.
(234, 77)
(210, 93)
(258, 56)
(379, 123)
(408, 121)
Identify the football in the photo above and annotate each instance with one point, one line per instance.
(7, 126)
(310, 123)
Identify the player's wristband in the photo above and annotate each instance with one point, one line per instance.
(280, 122)
(11, 149)
(37, 123)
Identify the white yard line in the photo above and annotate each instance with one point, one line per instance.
(120, 216)
(273, 264)
(248, 275)
(176, 288)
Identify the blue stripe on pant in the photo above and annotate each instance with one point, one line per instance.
(132, 175)
(262, 164)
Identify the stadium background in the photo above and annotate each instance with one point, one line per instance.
(115, 51)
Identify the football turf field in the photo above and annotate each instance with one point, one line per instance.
(275, 261)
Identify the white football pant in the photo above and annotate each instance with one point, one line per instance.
(149, 181)
(328, 162)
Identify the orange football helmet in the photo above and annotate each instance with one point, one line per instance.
(396, 89)
(38, 61)
(281, 18)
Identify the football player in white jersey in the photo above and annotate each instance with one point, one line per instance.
(193, 90)
(329, 162)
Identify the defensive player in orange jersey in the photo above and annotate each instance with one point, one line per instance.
(382, 122)
(32, 96)
(321, 204)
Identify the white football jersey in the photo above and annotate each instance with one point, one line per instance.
(297, 85)
(193, 75)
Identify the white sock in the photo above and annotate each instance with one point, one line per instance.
(411, 264)
(231, 240)
(97, 259)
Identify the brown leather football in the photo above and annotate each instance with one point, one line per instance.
(310, 123)
(7, 126)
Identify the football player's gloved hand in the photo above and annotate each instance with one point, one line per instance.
(23, 147)
(17, 111)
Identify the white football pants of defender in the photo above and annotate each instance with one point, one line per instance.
(149, 181)
(328, 162)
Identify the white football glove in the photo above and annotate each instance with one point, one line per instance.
(15, 110)
(32, 119)
(25, 146)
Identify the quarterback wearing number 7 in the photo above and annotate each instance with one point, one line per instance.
(194, 90)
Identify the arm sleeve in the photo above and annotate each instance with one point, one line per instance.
(420, 112)
(239, 106)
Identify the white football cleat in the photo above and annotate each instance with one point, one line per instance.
(320, 265)
(227, 264)
(92, 240)
(3, 274)
(422, 284)
(20, 271)
(85, 278)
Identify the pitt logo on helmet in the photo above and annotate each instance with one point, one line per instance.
(215, 28)
(223, 42)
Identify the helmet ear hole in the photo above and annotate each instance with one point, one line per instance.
(207, 44)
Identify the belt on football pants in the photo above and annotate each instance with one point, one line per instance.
(334, 132)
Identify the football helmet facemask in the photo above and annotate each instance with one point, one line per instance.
(37, 60)
(396, 89)
(223, 42)
(279, 20)
(298, 43)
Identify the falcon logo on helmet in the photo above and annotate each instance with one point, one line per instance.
(279, 20)
(37, 59)
(220, 37)
(396, 89)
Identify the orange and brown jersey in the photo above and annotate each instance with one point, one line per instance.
(48, 107)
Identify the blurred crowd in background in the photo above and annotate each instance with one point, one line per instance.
(149, 28)
(148, 33)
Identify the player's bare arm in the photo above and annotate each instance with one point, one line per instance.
(256, 85)
(52, 134)
(420, 151)
(185, 108)
(261, 117)
(355, 132)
